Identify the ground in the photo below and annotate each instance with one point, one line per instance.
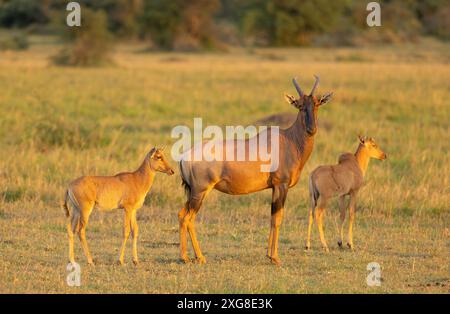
(57, 123)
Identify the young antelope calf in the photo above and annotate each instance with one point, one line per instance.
(125, 190)
(345, 178)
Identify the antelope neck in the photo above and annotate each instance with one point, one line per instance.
(362, 157)
(145, 173)
(297, 133)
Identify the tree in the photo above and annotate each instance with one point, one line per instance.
(21, 13)
(291, 22)
(179, 24)
(89, 44)
(435, 17)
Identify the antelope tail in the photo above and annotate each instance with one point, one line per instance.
(65, 207)
(184, 180)
(313, 193)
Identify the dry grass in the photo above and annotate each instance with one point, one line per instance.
(398, 96)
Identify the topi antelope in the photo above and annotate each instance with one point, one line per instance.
(245, 177)
(345, 178)
(126, 190)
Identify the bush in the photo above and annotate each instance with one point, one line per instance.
(90, 43)
(15, 40)
(180, 25)
(21, 13)
(438, 22)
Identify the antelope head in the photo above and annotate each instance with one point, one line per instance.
(373, 150)
(308, 104)
(158, 162)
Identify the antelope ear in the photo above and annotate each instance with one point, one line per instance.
(361, 139)
(325, 98)
(152, 152)
(290, 99)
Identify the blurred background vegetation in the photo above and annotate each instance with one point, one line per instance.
(196, 25)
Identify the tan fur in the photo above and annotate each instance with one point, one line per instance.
(125, 190)
(244, 177)
(345, 178)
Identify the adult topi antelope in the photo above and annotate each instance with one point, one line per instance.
(126, 190)
(199, 177)
(345, 178)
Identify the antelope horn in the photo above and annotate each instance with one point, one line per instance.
(297, 87)
(315, 85)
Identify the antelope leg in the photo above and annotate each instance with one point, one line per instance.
(84, 217)
(191, 229)
(279, 194)
(135, 231)
(319, 220)
(310, 223)
(351, 221)
(269, 246)
(342, 219)
(183, 218)
(126, 234)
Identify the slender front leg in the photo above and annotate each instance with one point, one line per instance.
(279, 194)
(183, 219)
(342, 219)
(276, 222)
(269, 246)
(191, 229)
(351, 220)
(135, 231)
(310, 223)
(126, 234)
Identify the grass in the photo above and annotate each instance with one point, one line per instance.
(59, 123)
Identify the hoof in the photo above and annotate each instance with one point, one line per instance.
(136, 263)
(340, 243)
(120, 263)
(91, 263)
(200, 260)
(268, 256)
(186, 259)
(350, 246)
(275, 261)
(326, 249)
(307, 248)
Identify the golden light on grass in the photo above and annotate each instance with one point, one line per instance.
(399, 96)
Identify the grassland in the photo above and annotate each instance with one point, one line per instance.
(60, 123)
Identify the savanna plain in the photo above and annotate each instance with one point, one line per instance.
(58, 123)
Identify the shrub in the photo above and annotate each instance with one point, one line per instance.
(180, 25)
(21, 13)
(15, 40)
(90, 43)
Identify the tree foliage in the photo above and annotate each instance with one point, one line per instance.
(21, 13)
(186, 24)
(196, 24)
(90, 44)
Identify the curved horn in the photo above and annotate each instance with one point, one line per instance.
(315, 85)
(297, 87)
